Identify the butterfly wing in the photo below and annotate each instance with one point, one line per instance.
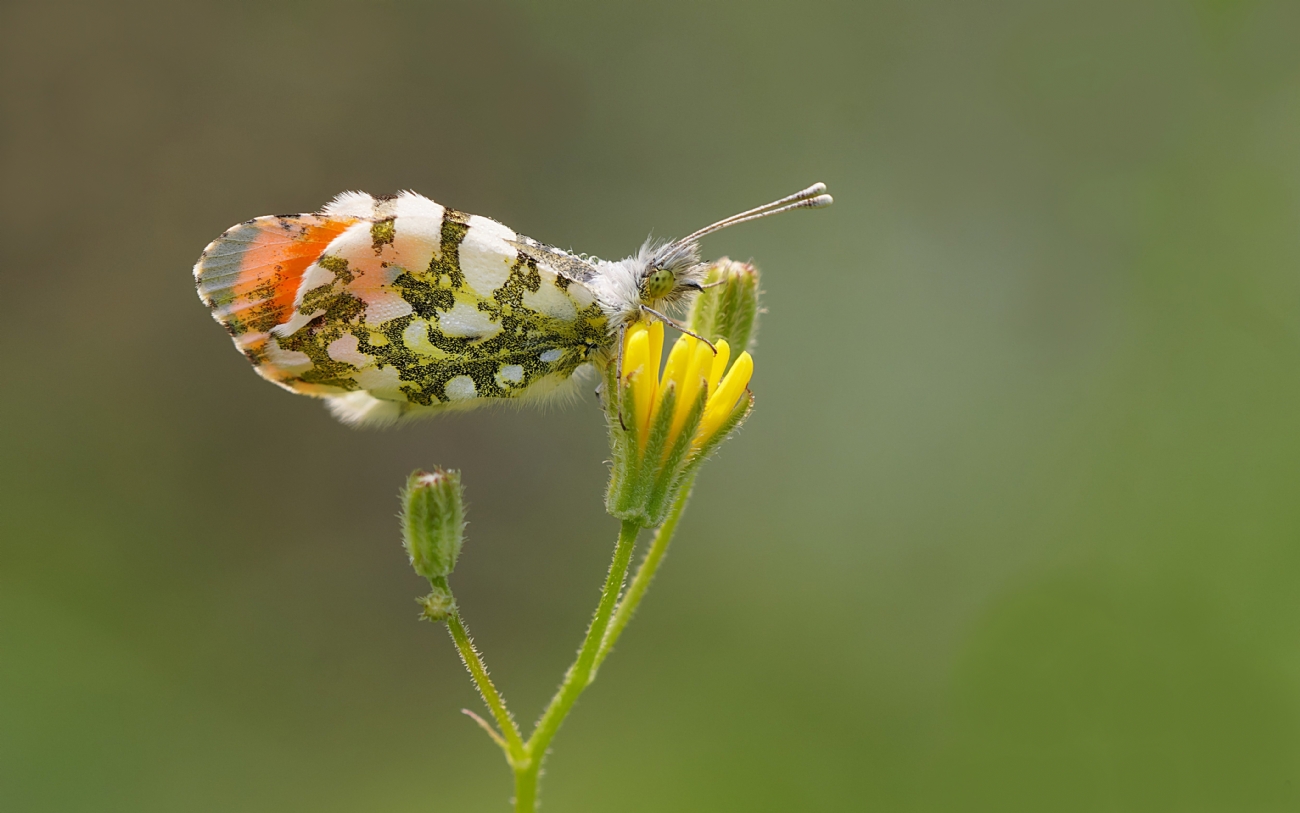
(410, 307)
(250, 275)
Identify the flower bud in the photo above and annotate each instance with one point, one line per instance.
(433, 521)
(728, 309)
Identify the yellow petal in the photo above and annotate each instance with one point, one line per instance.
(678, 358)
(654, 356)
(720, 405)
(636, 349)
(692, 380)
(656, 346)
(674, 372)
(719, 364)
(636, 371)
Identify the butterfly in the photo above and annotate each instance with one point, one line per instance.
(396, 306)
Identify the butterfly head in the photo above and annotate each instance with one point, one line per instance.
(659, 283)
(674, 269)
(668, 272)
(662, 275)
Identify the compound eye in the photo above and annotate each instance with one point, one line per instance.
(659, 284)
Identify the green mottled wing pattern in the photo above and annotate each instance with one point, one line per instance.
(415, 308)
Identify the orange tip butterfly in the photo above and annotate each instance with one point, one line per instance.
(396, 307)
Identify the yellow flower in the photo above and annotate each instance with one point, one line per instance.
(692, 366)
(662, 427)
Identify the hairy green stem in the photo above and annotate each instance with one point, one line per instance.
(526, 790)
(514, 744)
(578, 677)
(645, 573)
(608, 622)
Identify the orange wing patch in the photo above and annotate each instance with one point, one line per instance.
(250, 275)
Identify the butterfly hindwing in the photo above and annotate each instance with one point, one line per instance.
(408, 307)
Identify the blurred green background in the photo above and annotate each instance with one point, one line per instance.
(1014, 527)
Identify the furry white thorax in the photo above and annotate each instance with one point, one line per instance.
(619, 285)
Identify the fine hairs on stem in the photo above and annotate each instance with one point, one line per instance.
(608, 622)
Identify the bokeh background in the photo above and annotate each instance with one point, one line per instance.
(1014, 527)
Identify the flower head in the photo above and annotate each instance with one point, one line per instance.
(663, 425)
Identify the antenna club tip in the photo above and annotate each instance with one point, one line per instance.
(820, 202)
(815, 189)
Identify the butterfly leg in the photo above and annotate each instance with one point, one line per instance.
(698, 286)
(618, 372)
(618, 362)
(671, 321)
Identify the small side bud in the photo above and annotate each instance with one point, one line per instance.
(728, 308)
(433, 522)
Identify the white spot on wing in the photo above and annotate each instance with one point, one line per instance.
(460, 388)
(290, 361)
(344, 349)
(295, 323)
(466, 320)
(510, 374)
(383, 382)
(314, 277)
(372, 275)
(550, 300)
(416, 339)
(382, 306)
(485, 256)
(416, 239)
(580, 294)
(551, 355)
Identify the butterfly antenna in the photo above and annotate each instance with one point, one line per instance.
(813, 197)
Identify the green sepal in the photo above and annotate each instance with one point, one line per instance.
(644, 479)
(635, 466)
(669, 475)
(661, 425)
(625, 451)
